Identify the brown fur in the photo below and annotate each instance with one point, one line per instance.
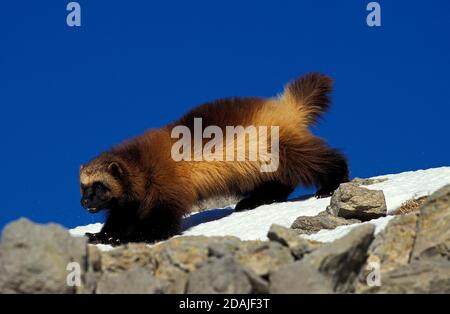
(158, 186)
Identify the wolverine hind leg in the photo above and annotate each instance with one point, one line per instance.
(267, 193)
(334, 172)
(311, 162)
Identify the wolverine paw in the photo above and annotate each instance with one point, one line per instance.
(324, 193)
(93, 238)
(246, 204)
(102, 238)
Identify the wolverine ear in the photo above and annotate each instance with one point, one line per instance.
(81, 167)
(115, 169)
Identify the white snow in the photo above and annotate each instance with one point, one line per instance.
(254, 224)
(81, 230)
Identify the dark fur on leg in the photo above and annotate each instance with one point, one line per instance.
(117, 228)
(335, 172)
(124, 225)
(163, 222)
(267, 193)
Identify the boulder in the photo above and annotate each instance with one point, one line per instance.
(324, 220)
(172, 261)
(34, 258)
(433, 228)
(93, 271)
(393, 246)
(224, 275)
(351, 201)
(417, 277)
(289, 238)
(390, 250)
(331, 268)
(370, 181)
(263, 257)
(136, 280)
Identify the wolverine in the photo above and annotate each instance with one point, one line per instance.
(146, 192)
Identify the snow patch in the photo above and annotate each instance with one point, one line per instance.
(254, 224)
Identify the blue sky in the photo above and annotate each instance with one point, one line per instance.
(66, 94)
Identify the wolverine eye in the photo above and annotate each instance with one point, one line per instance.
(101, 189)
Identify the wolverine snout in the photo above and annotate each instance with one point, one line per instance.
(95, 197)
(85, 202)
(92, 203)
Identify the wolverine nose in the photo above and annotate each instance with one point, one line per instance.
(85, 202)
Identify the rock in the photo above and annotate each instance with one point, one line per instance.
(324, 220)
(172, 261)
(169, 261)
(353, 202)
(186, 253)
(263, 257)
(289, 238)
(413, 250)
(393, 245)
(433, 234)
(360, 181)
(259, 285)
(299, 277)
(34, 258)
(93, 271)
(126, 257)
(331, 268)
(390, 250)
(342, 259)
(220, 249)
(417, 277)
(224, 275)
(136, 280)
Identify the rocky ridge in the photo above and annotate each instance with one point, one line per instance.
(410, 255)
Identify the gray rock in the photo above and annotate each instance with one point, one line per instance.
(360, 181)
(417, 277)
(263, 257)
(136, 280)
(172, 261)
(390, 250)
(289, 238)
(351, 201)
(324, 220)
(413, 250)
(393, 246)
(433, 234)
(259, 285)
(332, 268)
(299, 277)
(93, 270)
(224, 275)
(34, 258)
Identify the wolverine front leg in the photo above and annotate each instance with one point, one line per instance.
(119, 224)
(145, 224)
(99, 238)
(159, 223)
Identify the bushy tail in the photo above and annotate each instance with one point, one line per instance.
(310, 93)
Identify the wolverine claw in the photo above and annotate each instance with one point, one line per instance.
(93, 238)
(103, 238)
(323, 194)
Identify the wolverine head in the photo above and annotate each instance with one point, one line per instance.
(101, 185)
